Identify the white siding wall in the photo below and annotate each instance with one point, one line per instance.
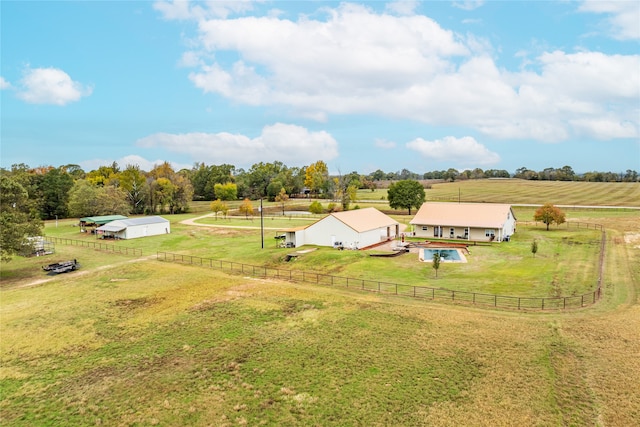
(144, 230)
(330, 229)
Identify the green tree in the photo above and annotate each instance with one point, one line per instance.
(436, 262)
(134, 184)
(549, 214)
(83, 199)
(406, 194)
(113, 201)
(534, 247)
(227, 191)
(218, 206)
(315, 207)
(163, 191)
(18, 218)
(54, 188)
(273, 189)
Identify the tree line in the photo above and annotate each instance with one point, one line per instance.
(69, 191)
(565, 173)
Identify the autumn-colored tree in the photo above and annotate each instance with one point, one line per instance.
(246, 208)
(317, 177)
(282, 197)
(218, 206)
(549, 214)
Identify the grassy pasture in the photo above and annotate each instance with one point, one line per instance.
(517, 191)
(128, 341)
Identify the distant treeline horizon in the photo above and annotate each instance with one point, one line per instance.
(68, 190)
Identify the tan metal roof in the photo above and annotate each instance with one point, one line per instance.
(463, 214)
(365, 219)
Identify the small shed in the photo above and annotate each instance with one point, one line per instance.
(135, 227)
(96, 221)
(354, 229)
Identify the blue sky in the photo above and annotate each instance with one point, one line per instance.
(360, 85)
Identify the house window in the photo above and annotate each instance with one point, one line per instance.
(489, 233)
(425, 228)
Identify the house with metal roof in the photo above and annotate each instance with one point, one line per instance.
(134, 228)
(354, 229)
(465, 221)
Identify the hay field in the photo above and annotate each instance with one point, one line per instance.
(518, 191)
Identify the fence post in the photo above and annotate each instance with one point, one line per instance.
(518, 303)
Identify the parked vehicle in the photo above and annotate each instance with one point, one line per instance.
(61, 267)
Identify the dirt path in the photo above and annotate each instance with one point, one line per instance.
(193, 222)
(79, 273)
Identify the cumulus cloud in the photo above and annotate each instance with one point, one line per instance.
(623, 17)
(291, 144)
(468, 4)
(402, 7)
(383, 143)
(50, 86)
(354, 60)
(4, 84)
(464, 151)
(186, 10)
(132, 159)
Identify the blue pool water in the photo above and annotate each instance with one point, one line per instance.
(445, 254)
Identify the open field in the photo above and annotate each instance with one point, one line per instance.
(517, 191)
(133, 341)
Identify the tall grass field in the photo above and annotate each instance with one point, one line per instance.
(128, 340)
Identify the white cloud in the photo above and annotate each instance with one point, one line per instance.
(468, 4)
(4, 84)
(50, 86)
(383, 143)
(402, 7)
(187, 10)
(290, 144)
(465, 151)
(132, 159)
(357, 61)
(623, 19)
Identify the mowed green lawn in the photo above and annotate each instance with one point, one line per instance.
(566, 263)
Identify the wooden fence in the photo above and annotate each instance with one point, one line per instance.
(423, 292)
(96, 245)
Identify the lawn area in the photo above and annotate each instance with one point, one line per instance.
(132, 341)
(566, 263)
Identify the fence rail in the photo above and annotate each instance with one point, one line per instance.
(96, 245)
(422, 292)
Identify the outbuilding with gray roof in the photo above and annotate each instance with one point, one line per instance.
(134, 228)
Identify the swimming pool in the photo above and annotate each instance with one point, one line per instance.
(446, 255)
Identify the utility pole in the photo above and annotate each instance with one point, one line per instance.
(261, 225)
